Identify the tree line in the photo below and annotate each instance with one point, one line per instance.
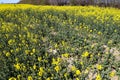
(113, 3)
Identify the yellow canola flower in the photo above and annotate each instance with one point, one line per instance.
(17, 66)
(98, 77)
(110, 41)
(7, 35)
(41, 71)
(23, 41)
(33, 50)
(91, 56)
(56, 45)
(16, 59)
(91, 30)
(57, 68)
(12, 78)
(31, 53)
(11, 50)
(77, 72)
(20, 35)
(34, 40)
(81, 63)
(56, 61)
(29, 35)
(85, 54)
(66, 55)
(17, 49)
(73, 68)
(27, 51)
(39, 59)
(73, 49)
(63, 43)
(99, 67)
(65, 75)
(11, 41)
(34, 66)
(77, 79)
(18, 77)
(48, 78)
(29, 78)
(99, 33)
(115, 30)
(112, 74)
(8, 54)
(24, 68)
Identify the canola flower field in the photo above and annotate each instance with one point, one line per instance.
(59, 43)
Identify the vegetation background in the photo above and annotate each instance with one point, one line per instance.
(110, 3)
(60, 42)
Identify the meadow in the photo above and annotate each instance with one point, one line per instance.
(59, 42)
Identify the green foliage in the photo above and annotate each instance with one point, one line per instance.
(51, 43)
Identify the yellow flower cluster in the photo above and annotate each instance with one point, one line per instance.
(57, 68)
(99, 67)
(30, 78)
(56, 61)
(12, 78)
(17, 66)
(41, 71)
(98, 77)
(85, 54)
(112, 74)
(66, 55)
(78, 72)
